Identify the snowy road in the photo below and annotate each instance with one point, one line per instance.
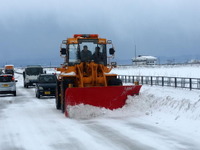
(28, 123)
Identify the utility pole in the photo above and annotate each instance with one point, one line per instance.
(135, 52)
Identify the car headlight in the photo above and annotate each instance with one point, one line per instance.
(40, 88)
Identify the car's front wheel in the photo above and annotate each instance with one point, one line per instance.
(37, 95)
(14, 93)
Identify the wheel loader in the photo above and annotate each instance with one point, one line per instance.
(86, 79)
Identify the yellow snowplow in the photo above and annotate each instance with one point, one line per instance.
(9, 69)
(85, 76)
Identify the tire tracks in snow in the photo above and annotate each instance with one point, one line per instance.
(160, 135)
(115, 138)
(119, 134)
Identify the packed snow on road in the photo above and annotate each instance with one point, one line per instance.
(159, 118)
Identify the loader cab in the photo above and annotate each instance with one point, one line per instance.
(72, 51)
(92, 47)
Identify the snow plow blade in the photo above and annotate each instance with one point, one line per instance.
(111, 97)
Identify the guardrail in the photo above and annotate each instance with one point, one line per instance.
(177, 82)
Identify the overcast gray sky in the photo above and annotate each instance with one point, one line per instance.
(33, 29)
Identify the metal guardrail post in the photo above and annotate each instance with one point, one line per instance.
(190, 83)
(198, 83)
(142, 79)
(175, 82)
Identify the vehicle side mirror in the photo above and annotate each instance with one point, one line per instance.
(63, 51)
(16, 80)
(114, 64)
(111, 51)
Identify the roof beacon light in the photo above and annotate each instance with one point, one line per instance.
(86, 35)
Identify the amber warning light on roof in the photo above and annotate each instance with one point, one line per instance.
(86, 35)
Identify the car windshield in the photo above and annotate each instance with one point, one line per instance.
(6, 78)
(47, 79)
(9, 71)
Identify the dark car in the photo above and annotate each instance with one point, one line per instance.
(46, 85)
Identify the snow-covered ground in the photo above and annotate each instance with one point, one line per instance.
(160, 118)
(190, 70)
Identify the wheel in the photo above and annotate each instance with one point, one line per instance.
(64, 86)
(14, 93)
(25, 85)
(58, 99)
(115, 82)
(37, 95)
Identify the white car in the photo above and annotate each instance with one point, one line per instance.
(7, 84)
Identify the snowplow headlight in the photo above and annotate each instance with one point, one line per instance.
(40, 88)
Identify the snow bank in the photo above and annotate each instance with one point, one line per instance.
(165, 101)
(180, 103)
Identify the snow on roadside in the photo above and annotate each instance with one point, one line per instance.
(190, 71)
(179, 103)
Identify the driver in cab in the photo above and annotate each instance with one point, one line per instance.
(86, 55)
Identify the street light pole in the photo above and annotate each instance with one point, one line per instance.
(135, 52)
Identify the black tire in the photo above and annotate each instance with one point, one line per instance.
(15, 93)
(25, 85)
(58, 98)
(115, 82)
(37, 95)
(64, 85)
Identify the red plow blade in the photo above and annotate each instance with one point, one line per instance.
(111, 97)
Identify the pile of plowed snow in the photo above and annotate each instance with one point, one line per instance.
(180, 103)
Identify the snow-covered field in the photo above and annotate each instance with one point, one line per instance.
(160, 118)
(190, 70)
